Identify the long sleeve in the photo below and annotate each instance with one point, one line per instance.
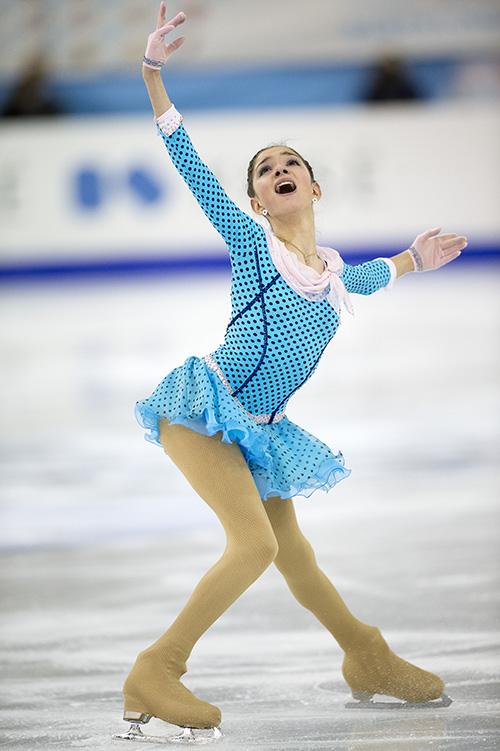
(366, 278)
(236, 228)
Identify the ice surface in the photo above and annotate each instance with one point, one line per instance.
(103, 539)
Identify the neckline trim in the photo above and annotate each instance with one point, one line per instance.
(269, 236)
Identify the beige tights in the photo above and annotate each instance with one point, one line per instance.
(218, 472)
(258, 532)
(307, 582)
(369, 664)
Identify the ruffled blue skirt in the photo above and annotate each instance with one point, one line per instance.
(284, 459)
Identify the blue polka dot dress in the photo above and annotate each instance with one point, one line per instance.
(272, 345)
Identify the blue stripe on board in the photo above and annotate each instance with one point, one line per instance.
(245, 87)
(191, 263)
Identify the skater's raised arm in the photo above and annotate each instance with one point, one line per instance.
(160, 100)
(233, 224)
(156, 55)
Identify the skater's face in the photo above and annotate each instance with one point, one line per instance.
(276, 166)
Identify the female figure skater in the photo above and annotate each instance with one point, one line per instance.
(221, 417)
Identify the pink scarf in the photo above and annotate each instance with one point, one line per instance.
(307, 282)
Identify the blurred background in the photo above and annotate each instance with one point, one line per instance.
(111, 275)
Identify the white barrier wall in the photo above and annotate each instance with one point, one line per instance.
(106, 188)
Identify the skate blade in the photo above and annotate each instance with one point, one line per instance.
(366, 702)
(187, 735)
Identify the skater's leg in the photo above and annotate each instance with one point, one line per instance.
(369, 664)
(308, 583)
(219, 474)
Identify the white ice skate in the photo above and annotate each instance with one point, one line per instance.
(187, 735)
(364, 700)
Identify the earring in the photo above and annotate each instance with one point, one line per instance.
(315, 199)
(264, 211)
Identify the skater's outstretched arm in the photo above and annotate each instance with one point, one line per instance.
(366, 278)
(429, 251)
(236, 227)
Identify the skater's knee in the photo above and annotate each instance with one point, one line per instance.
(265, 549)
(296, 557)
(269, 549)
(259, 551)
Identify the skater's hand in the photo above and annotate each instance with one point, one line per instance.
(430, 251)
(157, 49)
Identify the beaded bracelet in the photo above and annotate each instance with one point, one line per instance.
(153, 63)
(417, 259)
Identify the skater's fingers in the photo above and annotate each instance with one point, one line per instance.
(432, 232)
(170, 26)
(454, 244)
(175, 44)
(161, 15)
(178, 19)
(451, 258)
(160, 33)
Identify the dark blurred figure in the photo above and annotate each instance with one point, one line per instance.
(28, 97)
(390, 82)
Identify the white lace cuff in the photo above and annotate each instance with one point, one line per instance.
(169, 121)
(392, 269)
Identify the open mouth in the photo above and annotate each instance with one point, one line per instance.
(287, 186)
